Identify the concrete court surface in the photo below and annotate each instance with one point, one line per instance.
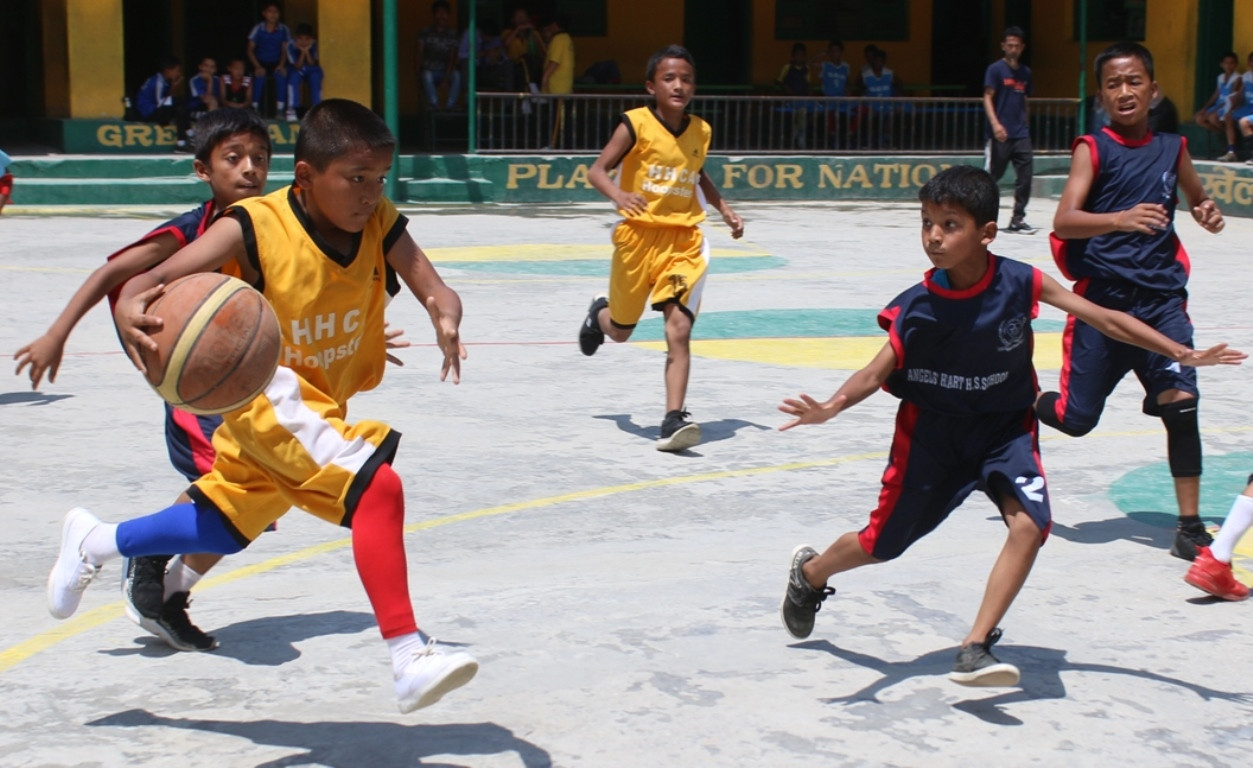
(624, 602)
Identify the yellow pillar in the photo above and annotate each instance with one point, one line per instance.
(1170, 33)
(93, 38)
(1242, 30)
(344, 45)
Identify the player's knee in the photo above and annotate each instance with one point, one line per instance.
(1183, 438)
(1074, 424)
(618, 333)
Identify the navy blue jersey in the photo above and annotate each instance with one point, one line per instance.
(1125, 174)
(969, 351)
(1010, 89)
(185, 228)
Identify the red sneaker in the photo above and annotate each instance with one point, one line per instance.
(1214, 577)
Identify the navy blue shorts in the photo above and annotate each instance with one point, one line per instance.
(937, 460)
(189, 440)
(1093, 364)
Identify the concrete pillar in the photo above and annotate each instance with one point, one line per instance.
(344, 44)
(93, 40)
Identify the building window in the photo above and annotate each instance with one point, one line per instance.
(876, 20)
(1113, 19)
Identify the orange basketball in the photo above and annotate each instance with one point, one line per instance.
(218, 347)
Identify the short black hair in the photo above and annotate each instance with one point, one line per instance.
(435, 6)
(798, 48)
(669, 52)
(1014, 32)
(169, 62)
(335, 127)
(220, 124)
(966, 186)
(1122, 50)
(836, 43)
(1230, 55)
(304, 28)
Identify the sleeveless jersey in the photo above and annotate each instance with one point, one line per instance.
(966, 352)
(879, 85)
(665, 168)
(235, 91)
(1226, 89)
(1127, 173)
(329, 305)
(834, 78)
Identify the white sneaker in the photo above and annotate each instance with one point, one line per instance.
(291, 115)
(433, 672)
(71, 575)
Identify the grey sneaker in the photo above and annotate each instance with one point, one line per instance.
(1190, 536)
(590, 334)
(175, 627)
(802, 600)
(1019, 225)
(677, 433)
(1227, 157)
(977, 667)
(143, 587)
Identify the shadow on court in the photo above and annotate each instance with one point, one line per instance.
(1144, 529)
(352, 744)
(1041, 670)
(266, 642)
(710, 431)
(29, 398)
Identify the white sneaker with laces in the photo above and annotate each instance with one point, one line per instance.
(71, 574)
(433, 672)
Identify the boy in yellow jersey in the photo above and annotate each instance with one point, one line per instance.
(326, 252)
(660, 256)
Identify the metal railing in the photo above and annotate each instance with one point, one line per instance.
(582, 123)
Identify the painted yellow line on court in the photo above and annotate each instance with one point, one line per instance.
(845, 353)
(95, 617)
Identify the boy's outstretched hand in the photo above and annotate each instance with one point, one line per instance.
(42, 354)
(392, 340)
(809, 411)
(449, 338)
(1219, 354)
(1208, 216)
(733, 220)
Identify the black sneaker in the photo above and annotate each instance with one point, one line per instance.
(1020, 225)
(590, 334)
(143, 587)
(977, 667)
(677, 433)
(1190, 536)
(175, 628)
(802, 600)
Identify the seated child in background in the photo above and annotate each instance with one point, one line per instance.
(236, 87)
(155, 102)
(303, 67)
(202, 90)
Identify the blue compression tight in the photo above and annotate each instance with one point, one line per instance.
(174, 530)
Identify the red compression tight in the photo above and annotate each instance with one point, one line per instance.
(378, 547)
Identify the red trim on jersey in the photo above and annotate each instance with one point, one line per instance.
(966, 293)
(1037, 287)
(1126, 142)
(1092, 153)
(893, 476)
(6, 184)
(1032, 425)
(1068, 338)
(887, 321)
(202, 453)
(1059, 247)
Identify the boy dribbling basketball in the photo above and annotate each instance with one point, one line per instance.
(325, 252)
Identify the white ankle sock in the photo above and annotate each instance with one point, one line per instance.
(179, 577)
(1239, 519)
(403, 647)
(100, 545)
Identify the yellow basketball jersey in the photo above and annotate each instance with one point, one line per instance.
(329, 305)
(665, 168)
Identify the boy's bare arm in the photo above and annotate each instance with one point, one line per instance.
(1125, 328)
(442, 303)
(715, 198)
(1071, 222)
(630, 203)
(989, 108)
(1204, 210)
(858, 387)
(44, 353)
(221, 243)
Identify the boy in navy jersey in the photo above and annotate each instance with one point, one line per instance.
(1114, 234)
(958, 356)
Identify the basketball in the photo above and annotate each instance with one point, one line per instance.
(218, 346)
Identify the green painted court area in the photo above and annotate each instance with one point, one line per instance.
(786, 323)
(1147, 493)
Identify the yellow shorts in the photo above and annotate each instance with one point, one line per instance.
(291, 448)
(657, 264)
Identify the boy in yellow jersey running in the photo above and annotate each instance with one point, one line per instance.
(660, 256)
(326, 252)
